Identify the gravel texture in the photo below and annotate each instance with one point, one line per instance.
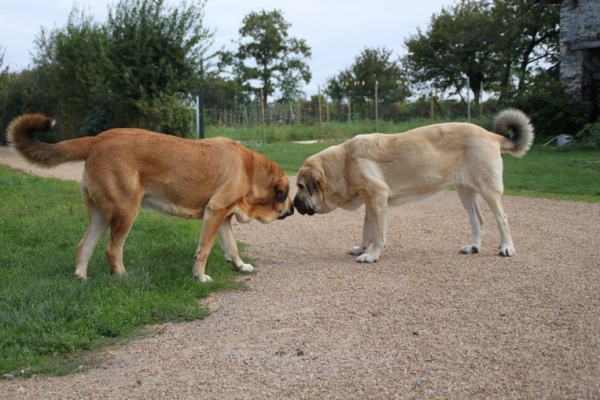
(424, 321)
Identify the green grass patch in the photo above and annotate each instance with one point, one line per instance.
(554, 172)
(50, 321)
(289, 155)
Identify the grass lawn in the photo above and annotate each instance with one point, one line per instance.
(553, 172)
(49, 320)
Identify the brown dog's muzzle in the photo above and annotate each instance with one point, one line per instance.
(287, 211)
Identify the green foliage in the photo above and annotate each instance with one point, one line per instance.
(372, 70)
(551, 110)
(526, 32)
(221, 92)
(153, 50)
(167, 114)
(588, 138)
(268, 54)
(456, 45)
(48, 319)
(23, 92)
(73, 69)
(488, 42)
(138, 69)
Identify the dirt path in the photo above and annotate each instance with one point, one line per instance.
(424, 321)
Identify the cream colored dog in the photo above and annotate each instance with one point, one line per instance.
(211, 179)
(378, 170)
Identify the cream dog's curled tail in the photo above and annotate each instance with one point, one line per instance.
(516, 121)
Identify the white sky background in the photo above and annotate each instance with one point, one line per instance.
(336, 30)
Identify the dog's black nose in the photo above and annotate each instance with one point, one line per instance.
(299, 205)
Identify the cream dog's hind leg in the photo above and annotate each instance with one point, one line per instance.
(469, 199)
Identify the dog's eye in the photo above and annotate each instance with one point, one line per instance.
(300, 186)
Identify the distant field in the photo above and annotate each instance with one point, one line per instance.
(331, 131)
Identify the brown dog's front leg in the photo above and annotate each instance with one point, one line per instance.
(230, 246)
(211, 222)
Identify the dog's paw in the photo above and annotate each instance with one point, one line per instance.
(245, 268)
(470, 249)
(366, 258)
(356, 251)
(507, 251)
(204, 278)
(80, 276)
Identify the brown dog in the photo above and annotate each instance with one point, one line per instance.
(380, 170)
(210, 179)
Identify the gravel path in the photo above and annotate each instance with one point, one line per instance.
(424, 321)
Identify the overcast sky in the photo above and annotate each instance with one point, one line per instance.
(336, 30)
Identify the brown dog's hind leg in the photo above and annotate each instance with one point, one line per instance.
(121, 222)
(96, 228)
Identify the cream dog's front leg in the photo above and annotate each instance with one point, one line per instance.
(376, 220)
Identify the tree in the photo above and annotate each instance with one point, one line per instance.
(2, 52)
(139, 69)
(268, 55)
(457, 45)
(491, 42)
(371, 67)
(70, 63)
(156, 56)
(529, 37)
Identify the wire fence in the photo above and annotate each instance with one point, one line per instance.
(311, 113)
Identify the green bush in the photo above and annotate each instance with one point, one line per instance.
(551, 110)
(167, 114)
(589, 137)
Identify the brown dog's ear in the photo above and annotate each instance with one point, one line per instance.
(282, 195)
(282, 188)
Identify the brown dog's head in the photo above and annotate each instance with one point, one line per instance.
(276, 202)
(283, 202)
(269, 197)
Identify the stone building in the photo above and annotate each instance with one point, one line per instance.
(580, 52)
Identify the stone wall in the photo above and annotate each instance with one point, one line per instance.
(580, 51)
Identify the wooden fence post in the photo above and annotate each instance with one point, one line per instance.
(262, 113)
(376, 108)
(320, 113)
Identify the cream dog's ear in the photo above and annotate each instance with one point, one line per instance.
(313, 182)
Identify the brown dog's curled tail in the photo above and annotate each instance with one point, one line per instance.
(20, 135)
(516, 121)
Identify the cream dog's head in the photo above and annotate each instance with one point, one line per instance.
(315, 194)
